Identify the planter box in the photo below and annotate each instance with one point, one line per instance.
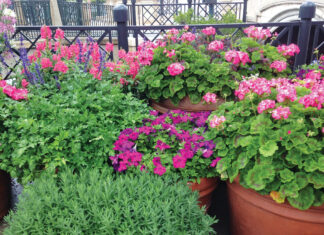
(254, 214)
(4, 193)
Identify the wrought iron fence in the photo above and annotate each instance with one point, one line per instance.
(308, 34)
(27, 37)
(32, 12)
(163, 14)
(79, 13)
(76, 12)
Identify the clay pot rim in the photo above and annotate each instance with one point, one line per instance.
(265, 202)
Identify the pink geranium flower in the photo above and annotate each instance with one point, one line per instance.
(265, 105)
(281, 112)
(217, 121)
(175, 69)
(278, 65)
(209, 31)
(216, 46)
(210, 97)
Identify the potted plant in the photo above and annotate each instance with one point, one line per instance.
(271, 144)
(170, 143)
(100, 202)
(187, 66)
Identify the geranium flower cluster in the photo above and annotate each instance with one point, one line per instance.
(289, 50)
(217, 121)
(285, 94)
(210, 97)
(278, 65)
(13, 92)
(216, 46)
(175, 69)
(257, 33)
(176, 134)
(237, 57)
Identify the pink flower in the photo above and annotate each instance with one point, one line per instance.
(216, 46)
(40, 46)
(56, 58)
(266, 104)
(159, 170)
(209, 31)
(217, 121)
(169, 54)
(59, 34)
(258, 33)
(61, 66)
(3, 83)
(161, 145)
(215, 161)
(24, 83)
(109, 47)
(236, 57)
(289, 132)
(279, 65)
(281, 112)
(210, 97)
(322, 129)
(179, 162)
(175, 69)
(121, 54)
(156, 161)
(188, 37)
(186, 27)
(46, 63)
(142, 168)
(174, 31)
(313, 75)
(286, 92)
(46, 32)
(290, 50)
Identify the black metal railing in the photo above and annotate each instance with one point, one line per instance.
(308, 34)
(32, 12)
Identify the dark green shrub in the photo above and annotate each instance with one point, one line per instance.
(74, 126)
(98, 203)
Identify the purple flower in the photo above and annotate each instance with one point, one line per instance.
(179, 162)
(215, 161)
(161, 145)
(207, 153)
(156, 161)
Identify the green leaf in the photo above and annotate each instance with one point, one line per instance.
(191, 82)
(304, 200)
(269, 148)
(286, 175)
(176, 85)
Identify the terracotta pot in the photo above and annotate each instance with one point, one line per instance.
(185, 105)
(254, 214)
(205, 189)
(4, 193)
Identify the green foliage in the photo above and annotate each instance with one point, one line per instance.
(73, 126)
(274, 157)
(95, 202)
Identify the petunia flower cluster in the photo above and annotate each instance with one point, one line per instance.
(165, 143)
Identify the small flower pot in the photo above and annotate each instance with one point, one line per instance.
(205, 189)
(4, 193)
(185, 105)
(254, 214)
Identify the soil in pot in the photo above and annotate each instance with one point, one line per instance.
(254, 214)
(205, 189)
(4, 193)
(185, 105)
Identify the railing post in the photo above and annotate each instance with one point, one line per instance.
(245, 10)
(306, 13)
(120, 13)
(189, 3)
(133, 12)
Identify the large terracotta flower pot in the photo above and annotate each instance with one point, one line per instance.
(254, 214)
(185, 105)
(4, 193)
(205, 189)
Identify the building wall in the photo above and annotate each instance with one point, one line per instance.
(279, 10)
